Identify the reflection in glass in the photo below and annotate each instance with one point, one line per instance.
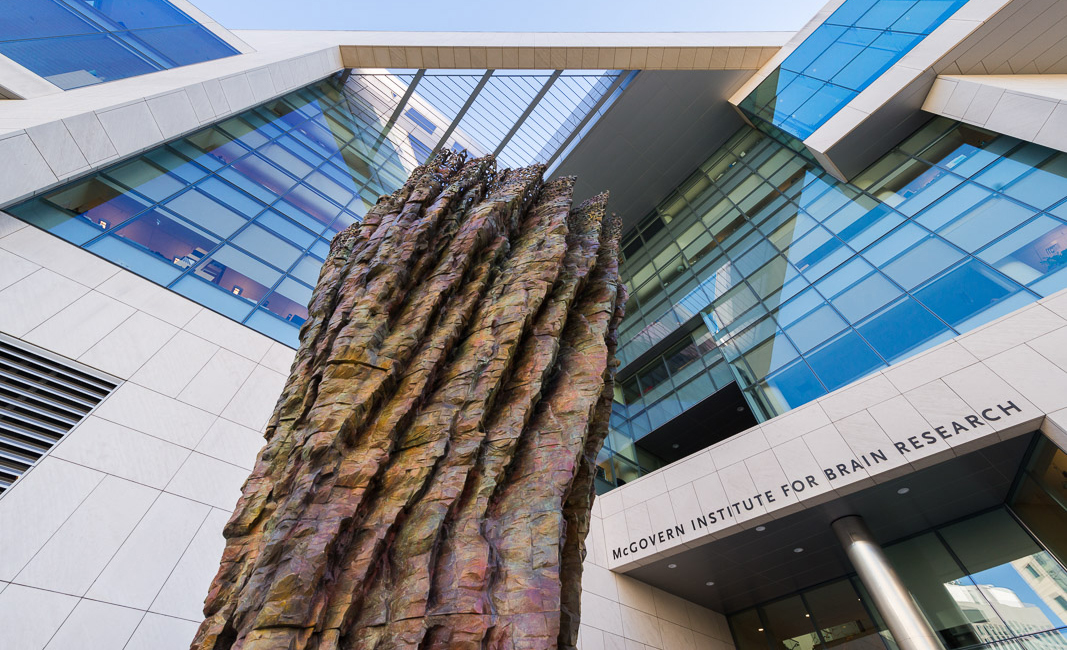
(164, 214)
(748, 629)
(828, 616)
(789, 625)
(914, 252)
(1010, 571)
(75, 44)
(843, 619)
(983, 580)
(82, 211)
(842, 56)
(171, 239)
(1041, 499)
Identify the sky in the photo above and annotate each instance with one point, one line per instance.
(515, 15)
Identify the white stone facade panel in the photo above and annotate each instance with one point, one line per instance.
(112, 539)
(1031, 107)
(52, 138)
(1004, 379)
(115, 536)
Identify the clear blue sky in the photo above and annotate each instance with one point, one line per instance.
(515, 15)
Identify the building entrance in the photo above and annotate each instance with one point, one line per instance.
(994, 579)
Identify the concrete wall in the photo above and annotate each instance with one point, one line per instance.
(111, 541)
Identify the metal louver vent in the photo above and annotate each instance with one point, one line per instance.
(42, 397)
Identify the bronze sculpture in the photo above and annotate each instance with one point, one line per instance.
(428, 472)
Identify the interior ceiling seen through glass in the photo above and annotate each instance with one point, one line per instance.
(239, 215)
(521, 116)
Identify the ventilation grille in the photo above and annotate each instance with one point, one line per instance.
(42, 397)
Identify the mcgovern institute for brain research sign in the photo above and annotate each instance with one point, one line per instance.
(974, 423)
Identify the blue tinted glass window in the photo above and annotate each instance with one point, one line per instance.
(930, 188)
(208, 293)
(1011, 167)
(245, 240)
(813, 46)
(267, 246)
(1043, 186)
(790, 387)
(924, 16)
(843, 360)
(135, 14)
(204, 211)
(40, 18)
(953, 205)
(873, 60)
(930, 242)
(839, 54)
(75, 61)
(147, 180)
(277, 328)
(859, 225)
(840, 58)
(939, 253)
(289, 301)
(286, 228)
(865, 296)
(147, 263)
(815, 328)
(902, 329)
(911, 255)
(984, 223)
(884, 13)
(75, 43)
(966, 290)
(421, 120)
(849, 12)
(1031, 252)
(183, 44)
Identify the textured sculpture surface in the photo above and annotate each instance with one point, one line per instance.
(428, 473)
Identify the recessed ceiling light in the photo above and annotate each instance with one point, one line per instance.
(740, 409)
(760, 529)
(672, 566)
(674, 446)
(709, 583)
(903, 490)
(760, 629)
(807, 616)
(798, 550)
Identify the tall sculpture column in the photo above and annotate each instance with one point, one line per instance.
(909, 627)
(428, 473)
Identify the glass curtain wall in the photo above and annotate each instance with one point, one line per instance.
(795, 284)
(238, 216)
(981, 582)
(844, 55)
(1040, 500)
(75, 43)
(834, 615)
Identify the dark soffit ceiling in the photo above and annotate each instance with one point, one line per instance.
(752, 567)
(657, 132)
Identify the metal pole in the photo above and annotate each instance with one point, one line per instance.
(909, 627)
